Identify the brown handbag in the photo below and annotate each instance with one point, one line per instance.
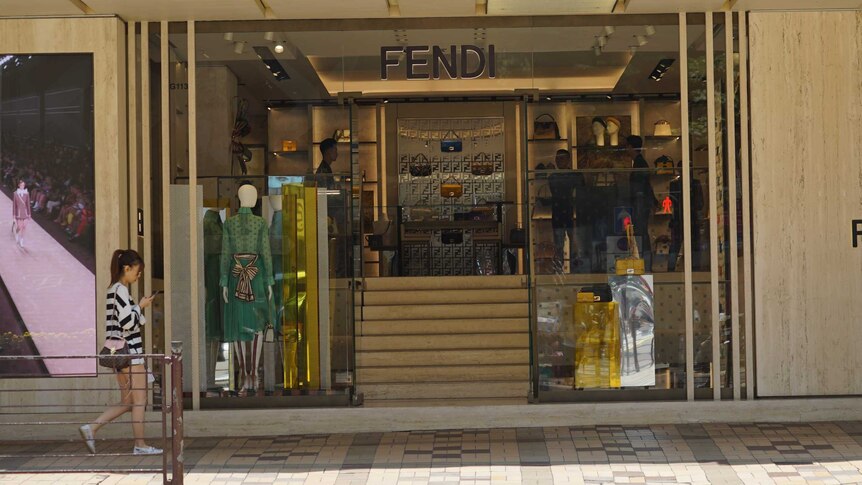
(482, 165)
(542, 205)
(451, 188)
(420, 166)
(545, 129)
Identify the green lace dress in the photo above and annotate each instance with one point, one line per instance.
(246, 272)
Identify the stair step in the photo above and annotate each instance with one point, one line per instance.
(443, 342)
(444, 283)
(461, 373)
(437, 297)
(432, 358)
(434, 312)
(443, 327)
(459, 390)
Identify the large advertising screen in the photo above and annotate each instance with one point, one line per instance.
(47, 214)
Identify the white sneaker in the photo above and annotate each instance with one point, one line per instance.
(89, 440)
(146, 450)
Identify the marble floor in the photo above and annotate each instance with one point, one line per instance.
(710, 453)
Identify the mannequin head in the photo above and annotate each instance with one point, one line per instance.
(563, 159)
(599, 128)
(275, 202)
(247, 195)
(613, 129)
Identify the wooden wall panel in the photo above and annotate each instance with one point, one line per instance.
(806, 108)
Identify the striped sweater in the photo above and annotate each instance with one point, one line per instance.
(123, 318)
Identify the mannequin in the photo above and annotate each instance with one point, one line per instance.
(246, 269)
(213, 232)
(613, 131)
(599, 128)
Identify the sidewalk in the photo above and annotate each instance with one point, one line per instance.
(715, 453)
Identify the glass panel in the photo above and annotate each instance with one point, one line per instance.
(603, 187)
(276, 170)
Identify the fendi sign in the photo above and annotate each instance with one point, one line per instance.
(430, 62)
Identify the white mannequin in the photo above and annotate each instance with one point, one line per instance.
(613, 131)
(247, 195)
(599, 128)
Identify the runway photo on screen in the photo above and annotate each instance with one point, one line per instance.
(47, 214)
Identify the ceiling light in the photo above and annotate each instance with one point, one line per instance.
(597, 50)
(633, 49)
(269, 108)
(660, 69)
(228, 36)
(609, 30)
(279, 48)
(602, 40)
(268, 36)
(650, 30)
(641, 40)
(239, 47)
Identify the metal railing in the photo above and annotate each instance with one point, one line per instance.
(31, 420)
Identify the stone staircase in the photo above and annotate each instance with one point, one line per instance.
(443, 340)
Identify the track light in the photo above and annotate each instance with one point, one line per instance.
(650, 30)
(279, 48)
(602, 40)
(239, 47)
(597, 50)
(641, 40)
(660, 69)
(228, 36)
(268, 36)
(609, 30)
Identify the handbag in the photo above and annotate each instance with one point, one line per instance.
(420, 166)
(451, 144)
(378, 241)
(115, 356)
(288, 145)
(544, 129)
(542, 205)
(452, 236)
(482, 165)
(451, 188)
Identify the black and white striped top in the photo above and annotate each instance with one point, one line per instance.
(123, 318)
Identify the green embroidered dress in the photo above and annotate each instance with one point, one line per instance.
(246, 272)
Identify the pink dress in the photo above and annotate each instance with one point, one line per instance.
(21, 204)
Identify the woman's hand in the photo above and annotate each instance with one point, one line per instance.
(145, 302)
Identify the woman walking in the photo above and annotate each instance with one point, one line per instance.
(123, 322)
(20, 211)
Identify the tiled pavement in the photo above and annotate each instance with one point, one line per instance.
(714, 453)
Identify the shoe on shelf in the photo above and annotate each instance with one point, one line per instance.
(146, 450)
(87, 436)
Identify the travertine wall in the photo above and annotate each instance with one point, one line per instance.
(806, 109)
(104, 37)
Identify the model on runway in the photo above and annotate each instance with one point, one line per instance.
(20, 212)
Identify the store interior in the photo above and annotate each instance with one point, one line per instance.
(443, 164)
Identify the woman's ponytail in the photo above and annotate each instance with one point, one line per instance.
(122, 258)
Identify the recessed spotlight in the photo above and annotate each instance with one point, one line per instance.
(269, 108)
(650, 30)
(279, 48)
(239, 47)
(228, 36)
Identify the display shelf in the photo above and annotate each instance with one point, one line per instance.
(547, 140)
(294, 152)
(667, 137)
(348, 143)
